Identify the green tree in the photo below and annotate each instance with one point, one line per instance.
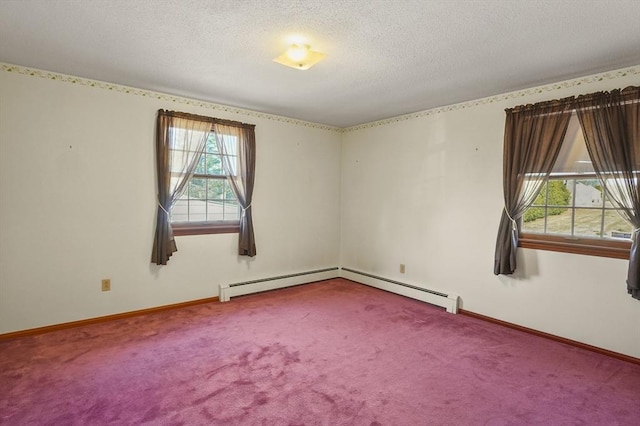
(210, 163)
(558, 195)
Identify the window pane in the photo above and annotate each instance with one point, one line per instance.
(197, 210)
(534, 220)
(588, 223)
(212, 146)
(232, 162)
(228, 191)
(541, 198)
(556, 218)
(180, 211)
(214, 165)
(231, 210)
(216, 188)
(197, 188)
(216, 211)
(559, 223)
(201, 167)
(559, 195)
(588, 193)
(615, 226)
(231, 145)
(178, 160)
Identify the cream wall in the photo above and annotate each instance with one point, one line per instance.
(77, 202)
(426, 190)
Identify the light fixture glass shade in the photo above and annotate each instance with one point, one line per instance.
(300, 57)
(297, 53)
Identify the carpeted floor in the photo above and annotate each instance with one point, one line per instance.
(330, 353)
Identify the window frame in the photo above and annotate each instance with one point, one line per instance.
(207, 227)
(577, 245)
(590, 246)
(203, 228)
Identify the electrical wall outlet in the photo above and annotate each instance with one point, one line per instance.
(402, 268)
(106, 284)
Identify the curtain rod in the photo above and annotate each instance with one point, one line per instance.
(574, 102)
(572, 110)
(204, 118)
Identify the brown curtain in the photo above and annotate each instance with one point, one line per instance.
(180, 141)
(611, 125)
(533, 136)
(242, 179)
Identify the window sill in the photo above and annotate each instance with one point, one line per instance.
(585, 246)
(202, 228)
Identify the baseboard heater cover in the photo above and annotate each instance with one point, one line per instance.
(446, 300)
(227, 291)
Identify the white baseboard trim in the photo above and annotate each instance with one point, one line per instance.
(227, 291)
(441, 298)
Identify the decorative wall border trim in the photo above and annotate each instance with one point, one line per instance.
(49, 75)
(609, 75)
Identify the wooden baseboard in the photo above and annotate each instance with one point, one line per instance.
(97, 320)
(570, 342)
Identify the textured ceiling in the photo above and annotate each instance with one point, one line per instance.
(384, 57)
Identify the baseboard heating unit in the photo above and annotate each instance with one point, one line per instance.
(443, 299)
(227, 291)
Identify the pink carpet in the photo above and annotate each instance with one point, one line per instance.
(330, 353)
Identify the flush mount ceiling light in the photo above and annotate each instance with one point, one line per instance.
(300, 57)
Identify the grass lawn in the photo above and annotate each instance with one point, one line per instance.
(588, 223)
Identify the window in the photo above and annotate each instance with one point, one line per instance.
(572, 213)
(206, 172)
(208, 203)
